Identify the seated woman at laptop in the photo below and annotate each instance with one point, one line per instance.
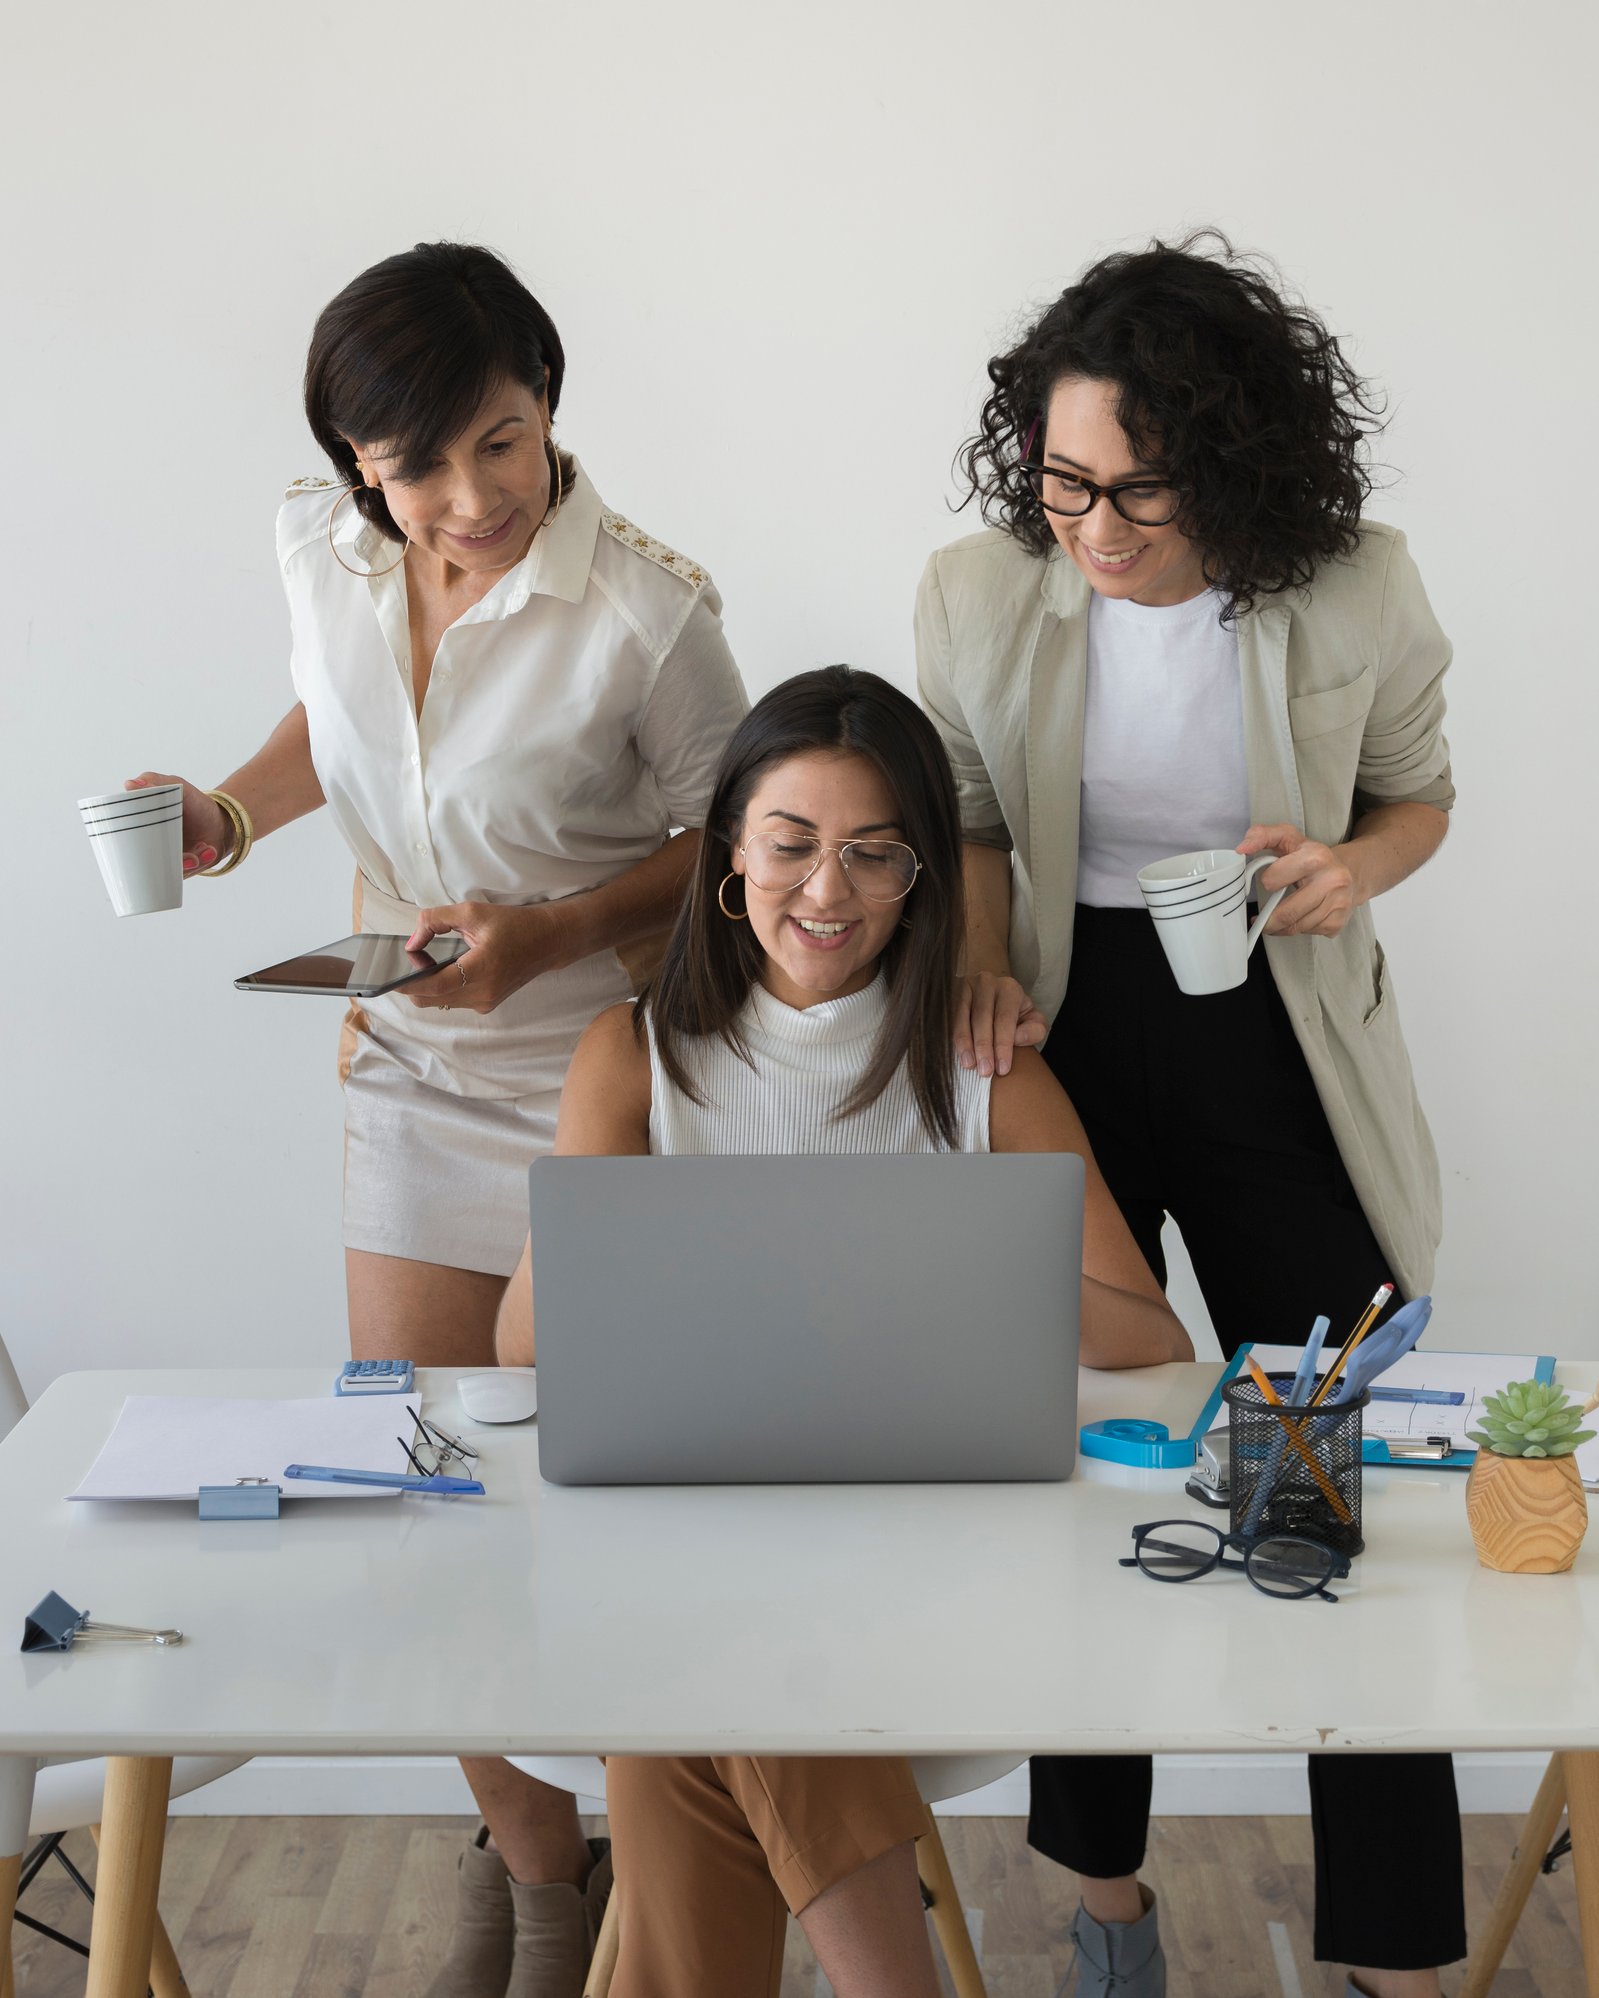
(804, 1005)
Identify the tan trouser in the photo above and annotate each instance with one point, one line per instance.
(712, 1854)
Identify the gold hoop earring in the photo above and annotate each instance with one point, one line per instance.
(367, 574)
(732, 915)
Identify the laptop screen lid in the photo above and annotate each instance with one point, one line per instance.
(755, 1320)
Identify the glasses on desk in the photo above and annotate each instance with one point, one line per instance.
(436, 1454)
(1279, 1564)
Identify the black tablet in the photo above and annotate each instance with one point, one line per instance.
(357, 967)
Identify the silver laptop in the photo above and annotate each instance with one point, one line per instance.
(806, 1320)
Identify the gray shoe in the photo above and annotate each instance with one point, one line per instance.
(555, 1928)
(1124, 1958)
(479, 1962)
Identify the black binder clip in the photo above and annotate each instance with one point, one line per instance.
(54, 1625)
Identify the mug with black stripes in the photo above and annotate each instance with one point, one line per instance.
(1198, 902)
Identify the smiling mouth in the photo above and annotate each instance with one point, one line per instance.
(1118, 560)
(488, 534)
(820, 935)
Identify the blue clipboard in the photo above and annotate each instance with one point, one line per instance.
(1374, 1450)
(1150, 1446)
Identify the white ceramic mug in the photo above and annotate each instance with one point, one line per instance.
(139, 849)
(1197, 901)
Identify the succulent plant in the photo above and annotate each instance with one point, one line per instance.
(1530, 1419)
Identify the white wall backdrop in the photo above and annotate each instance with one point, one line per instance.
(780, 244)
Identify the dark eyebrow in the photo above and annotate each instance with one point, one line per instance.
(1139, 472)
(500, 426)
(860, 832)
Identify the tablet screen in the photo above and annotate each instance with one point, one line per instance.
(358, 966)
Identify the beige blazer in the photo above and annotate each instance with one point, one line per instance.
(1343, 710)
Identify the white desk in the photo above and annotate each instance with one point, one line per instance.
(861, 1619)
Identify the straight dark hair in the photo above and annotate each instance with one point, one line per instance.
(407, 353)
(711, 962)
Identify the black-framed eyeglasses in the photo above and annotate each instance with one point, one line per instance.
(884, 870)
(1279, 1564)
(435, 1453)
(1143, 502)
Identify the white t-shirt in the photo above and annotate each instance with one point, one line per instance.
(573, 715)
(1163, 742)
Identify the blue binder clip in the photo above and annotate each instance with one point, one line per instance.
(54, 1625)
(250, 1498)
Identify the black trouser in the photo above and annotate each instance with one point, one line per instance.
(1203, 1109)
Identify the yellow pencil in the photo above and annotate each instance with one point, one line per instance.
(1362, 1326)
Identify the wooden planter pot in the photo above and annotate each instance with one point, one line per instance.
(1528, 1514)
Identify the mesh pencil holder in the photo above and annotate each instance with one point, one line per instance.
(1293, 1472)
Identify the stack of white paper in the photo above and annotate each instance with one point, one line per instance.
(168, 1446)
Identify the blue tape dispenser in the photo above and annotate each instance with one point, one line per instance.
(1146, 1445)
(1130, 1439)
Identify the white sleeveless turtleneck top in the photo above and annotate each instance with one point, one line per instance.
(805, 1065)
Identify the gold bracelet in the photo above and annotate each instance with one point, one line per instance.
(243, 832)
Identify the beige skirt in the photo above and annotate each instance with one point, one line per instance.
(433, 1176)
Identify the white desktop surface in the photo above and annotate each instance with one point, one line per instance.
(893, 1619)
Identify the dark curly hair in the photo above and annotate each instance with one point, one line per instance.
(1242, 399)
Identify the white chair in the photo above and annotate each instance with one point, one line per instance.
(937, 1777)
(42, 1801)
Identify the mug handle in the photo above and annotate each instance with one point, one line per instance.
(1261, 860)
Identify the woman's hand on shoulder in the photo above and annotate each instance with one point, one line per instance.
(1322, 892)
(994, 1016)
(207, 829)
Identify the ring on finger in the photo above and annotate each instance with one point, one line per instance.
(462, 969)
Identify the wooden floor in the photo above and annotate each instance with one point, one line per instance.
(361, 1908)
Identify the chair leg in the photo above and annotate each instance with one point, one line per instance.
(166, 1975)
(1537, 1835)
(122, 1937)
(603, 1967)
(1582, 1804)
(949, 1923)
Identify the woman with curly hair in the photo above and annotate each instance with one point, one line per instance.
(1179, 632)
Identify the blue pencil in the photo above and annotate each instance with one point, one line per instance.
(1451, 1398)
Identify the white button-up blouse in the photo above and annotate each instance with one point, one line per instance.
(573, 715)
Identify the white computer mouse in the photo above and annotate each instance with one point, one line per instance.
(509, 1394)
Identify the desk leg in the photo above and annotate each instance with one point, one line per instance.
(1537, 1835)
(166, 1975)
(16, 1807)
(1582, 1801)
(132, 1832)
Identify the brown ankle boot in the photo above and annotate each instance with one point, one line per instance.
(555, 1930)
(482, 1943)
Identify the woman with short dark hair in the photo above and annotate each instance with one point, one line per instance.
(507, 696)
(1180, 633)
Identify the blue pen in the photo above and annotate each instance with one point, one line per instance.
(1451, 1398)
(1307, 1363)
(434, 1487)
